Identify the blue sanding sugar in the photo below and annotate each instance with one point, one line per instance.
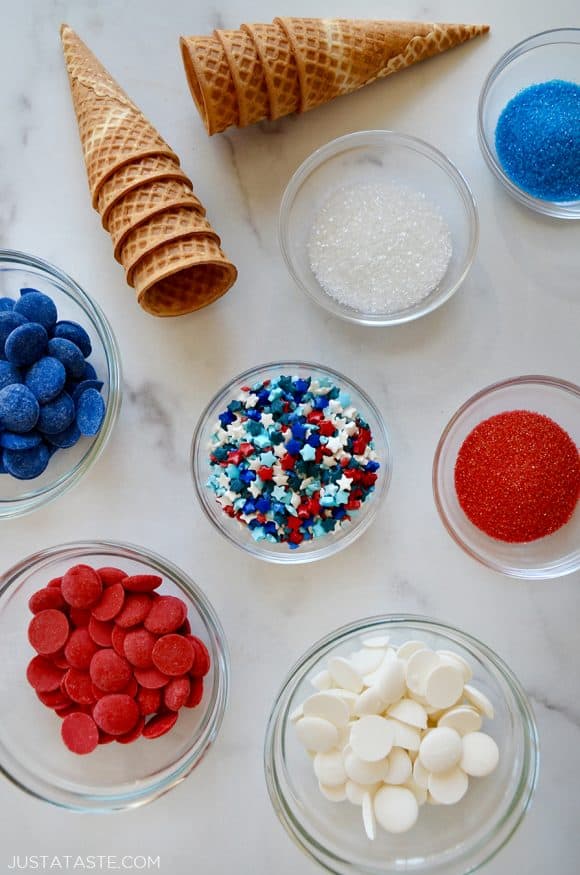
(537, 140)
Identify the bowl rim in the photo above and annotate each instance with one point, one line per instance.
(293, 557)
(213, 718)
(276, 721)
(525, 379)
(553, 209)
(342, 144)
(15, 507)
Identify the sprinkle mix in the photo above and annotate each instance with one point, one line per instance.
(292, 459)
(517, 476)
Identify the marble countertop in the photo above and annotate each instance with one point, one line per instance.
(518, 312)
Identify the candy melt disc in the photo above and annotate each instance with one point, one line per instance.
(440, 749)
(410, 712)
(399, 767)
(371, 738)
(333, 794)
(480, 754)
(362, 771)
(396, 809)
(317, 734)
(444, 686)
(329, 768)
(463, 719)
(331, 708)
(344, 674)
(479, 700)
(368, 816)
(448, 787)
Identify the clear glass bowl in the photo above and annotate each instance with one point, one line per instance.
(552, 556)
(236, 532)
(20, 270)
(114, 776)
(446, 840)
(377, 157)
(553, 54)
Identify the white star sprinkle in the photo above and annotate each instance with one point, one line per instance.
(255, 489)
(224, 480)
(251, 400)
(279, 450)
(280, 479)
(345, 483)
(267, 420)
(254, 464)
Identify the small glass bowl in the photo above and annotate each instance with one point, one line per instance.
(20, 270)
(114, 776)
(377, 157)
(553, 556)
(553, 54)
(239, 534)
(446, 840)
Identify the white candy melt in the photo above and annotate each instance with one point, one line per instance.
(389, 729)
(396, 809)
(317, 734)
(331, 708)
(480, 754)
(441, 749)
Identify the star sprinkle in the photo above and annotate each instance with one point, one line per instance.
(291, 459)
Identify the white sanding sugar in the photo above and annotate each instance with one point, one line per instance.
(379, 248)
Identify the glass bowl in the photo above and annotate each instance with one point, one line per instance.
(377, 157)
(236, 532)
(20, 270)
(114, 776)
(553, 54)
(553, 556)
(446, 840)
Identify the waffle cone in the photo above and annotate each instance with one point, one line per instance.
(211, 82)
(170, 252)
(247, 75)
(146, 202)
(337, 56)
(112, 130)
(164, 228)
(184, 276)
(279, 65)
(132, 176)
(309, 61)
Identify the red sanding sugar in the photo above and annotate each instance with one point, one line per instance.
(517, 476)
(116, 659)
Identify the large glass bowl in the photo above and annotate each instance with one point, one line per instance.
(114, 776)
(553, 54)
(377, 157)
(446, 840)
(239, 534)
(20, 270)
(552, 556)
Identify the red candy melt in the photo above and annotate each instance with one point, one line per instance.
(79, 733)
(116, 661)
(173, 655)
(110, 603)
(166, 615)
(109, 671)
(81, 586)
(116, 714)
(48, 631)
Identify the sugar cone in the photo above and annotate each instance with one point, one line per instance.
(247, 75)
(211, 82)
(126, 179)
(158, 225)
(337, 56)
(183, 276)
(164, 228)
(279, 64)
(112, 130)
(144, 203)
(309, 61)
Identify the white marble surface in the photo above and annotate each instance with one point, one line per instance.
(517, 313)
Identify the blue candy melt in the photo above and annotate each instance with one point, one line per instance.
(26, 344)
(6, 305)
(8, 322)
(37, 308)
(64, 439)
(89, 372)
(70, 355)
(76, 334)
(83, 386)
(26, 464)
(9, 374)
(10, 440)
(46, 379)
(19, 409)
(90, 412)
(57, 415)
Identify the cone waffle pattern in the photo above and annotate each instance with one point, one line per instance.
(304, 63)
(157, 224)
